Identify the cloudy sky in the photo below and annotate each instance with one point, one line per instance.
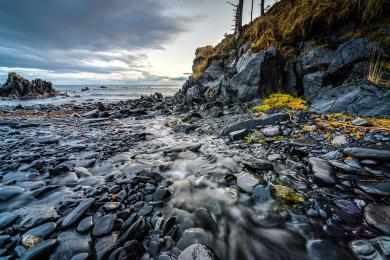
(108, 41)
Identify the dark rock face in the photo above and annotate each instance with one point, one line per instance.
(349, 53)
(331, 80)
(312, 85)
(315, 59)
(258, 75)
(195, 94)
(18, 87)
(355, 99)
(255, 75)
(213, 75)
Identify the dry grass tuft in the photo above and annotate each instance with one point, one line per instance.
(289, 21)
(376, 67)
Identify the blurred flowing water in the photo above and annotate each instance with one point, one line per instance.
(241, 227)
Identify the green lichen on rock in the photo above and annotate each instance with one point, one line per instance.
(287, 194)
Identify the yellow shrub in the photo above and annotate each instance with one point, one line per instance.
(276, 101)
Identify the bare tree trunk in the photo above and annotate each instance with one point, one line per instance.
(262, 7)
(238, 10)
(238, 18)
(252, 11)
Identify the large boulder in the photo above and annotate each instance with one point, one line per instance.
(291, 80)
(349, 53)
(195, 94)
(190, 82)
(312, 85)
(18, 87)
(258, 75)
(213, 75)
(315, 59)
(356, 99)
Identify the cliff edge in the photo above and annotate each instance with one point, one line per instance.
(334, 54)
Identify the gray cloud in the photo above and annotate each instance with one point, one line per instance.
(64, 35)
(87, 24)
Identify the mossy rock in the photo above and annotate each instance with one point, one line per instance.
(287, 194)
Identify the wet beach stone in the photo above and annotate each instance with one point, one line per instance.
(379, 153)
(7, 219)
(194, 235)
(32, 216)
(138, 230)
(8, 192)
(323, 249)
(85, 224)
(36, 235)
(376, 248)
(238, 135)
(40, 251)
(104, 225)
(380, 188)
(197, 252)
(247, 182)
(77, 213)
(323, 171)
(70, 244)
(104, 246)
(261, 194)
(378, 216)
(81, 256)
(271, 131)
(109, 206)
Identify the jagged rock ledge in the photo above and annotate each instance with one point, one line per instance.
(18, 87)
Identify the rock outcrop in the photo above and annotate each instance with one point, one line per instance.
(18, 87)
(332, 80)
(356, 99)
(254, 75)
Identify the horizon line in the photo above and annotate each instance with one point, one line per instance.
(140, 85)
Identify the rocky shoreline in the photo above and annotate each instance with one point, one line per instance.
(160, 178)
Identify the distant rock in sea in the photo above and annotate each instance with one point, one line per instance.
(18, 87)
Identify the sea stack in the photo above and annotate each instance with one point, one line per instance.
(18, 87)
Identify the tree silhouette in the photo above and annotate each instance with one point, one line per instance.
(252, 11)
(238, 9)
(262, 3)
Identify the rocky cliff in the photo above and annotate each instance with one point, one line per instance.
(333, 74)
(18, 87)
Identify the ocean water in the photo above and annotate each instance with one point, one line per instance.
(96, 93)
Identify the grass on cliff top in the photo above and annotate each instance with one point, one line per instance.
(208, 53)
(289, 22)
(276, 101)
